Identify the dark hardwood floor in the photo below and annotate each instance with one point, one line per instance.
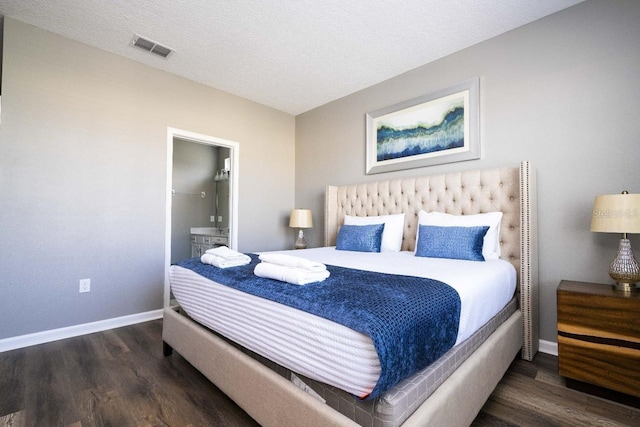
(533, 394)
(120, 378)
(111, 378)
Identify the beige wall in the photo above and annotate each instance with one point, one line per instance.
(562, 92)
(83, 144)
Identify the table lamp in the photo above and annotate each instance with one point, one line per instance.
(300, 218)
(619, 213)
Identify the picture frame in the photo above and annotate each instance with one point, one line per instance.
(437, 128)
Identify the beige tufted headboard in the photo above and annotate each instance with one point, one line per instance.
(510, 190)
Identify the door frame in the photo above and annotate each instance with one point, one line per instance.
(234, 149)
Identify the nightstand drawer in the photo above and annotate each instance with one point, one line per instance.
(583, 309)
(599, 336)
(605, 365)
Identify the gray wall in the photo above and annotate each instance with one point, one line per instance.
(83, 144)
(562, 92)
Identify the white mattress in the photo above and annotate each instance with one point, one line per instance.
(324, 350)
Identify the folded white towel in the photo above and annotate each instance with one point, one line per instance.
(220, 262)
(226, 253)
(293, 275)
(292, 261)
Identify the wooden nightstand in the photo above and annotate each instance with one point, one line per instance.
(599, 336)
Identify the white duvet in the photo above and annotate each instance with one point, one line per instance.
(324, 350)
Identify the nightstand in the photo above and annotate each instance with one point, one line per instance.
(599, 336)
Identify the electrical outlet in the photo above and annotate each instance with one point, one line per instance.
(85, 285)
(212, 218)
(220, 218)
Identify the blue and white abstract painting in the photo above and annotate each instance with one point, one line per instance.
(424, 129)
(433, 129)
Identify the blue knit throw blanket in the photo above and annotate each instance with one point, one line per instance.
(412, 321)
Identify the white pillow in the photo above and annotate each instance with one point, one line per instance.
(392, 233)
(491, 244)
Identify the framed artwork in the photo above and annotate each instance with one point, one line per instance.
(441, 127)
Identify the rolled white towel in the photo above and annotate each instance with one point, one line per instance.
(220, 262)
(226, 253)
(292, 261)
(293, 275)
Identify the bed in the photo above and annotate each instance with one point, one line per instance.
(268, 395)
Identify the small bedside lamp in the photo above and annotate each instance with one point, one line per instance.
(619, 213)
(300, 218)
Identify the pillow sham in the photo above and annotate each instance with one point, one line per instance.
(360, 238)
(393, 229)
(491, 241)
(451, 242)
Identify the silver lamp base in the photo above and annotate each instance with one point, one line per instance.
(625, 287)
(300, 242)
(625, 269)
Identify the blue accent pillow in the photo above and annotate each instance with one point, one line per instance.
(451, 242)
(360, 238)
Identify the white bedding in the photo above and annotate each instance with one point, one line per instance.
(324, 350)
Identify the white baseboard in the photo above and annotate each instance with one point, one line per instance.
(548, 347)
(76, 330)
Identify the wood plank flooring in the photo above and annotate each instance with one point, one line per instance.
(533, 394)
(120, 378)
(111, 378)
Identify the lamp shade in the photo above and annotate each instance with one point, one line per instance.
(616, 213)
(300, 218)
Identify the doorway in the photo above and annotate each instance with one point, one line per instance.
(202, 193)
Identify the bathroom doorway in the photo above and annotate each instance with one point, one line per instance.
(202, 183)
(199, 197)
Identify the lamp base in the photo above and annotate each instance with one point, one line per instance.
(300, 242)
(626, 287)
(625, 269)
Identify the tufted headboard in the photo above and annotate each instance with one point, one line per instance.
(509, 190)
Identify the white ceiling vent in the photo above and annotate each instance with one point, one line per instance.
(151, 46)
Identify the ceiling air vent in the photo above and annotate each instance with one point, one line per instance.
(151, 46)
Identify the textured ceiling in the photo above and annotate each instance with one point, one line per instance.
(292, 55)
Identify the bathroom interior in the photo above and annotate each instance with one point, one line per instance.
(200, 208)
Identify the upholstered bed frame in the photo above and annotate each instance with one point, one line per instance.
(274, 401)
